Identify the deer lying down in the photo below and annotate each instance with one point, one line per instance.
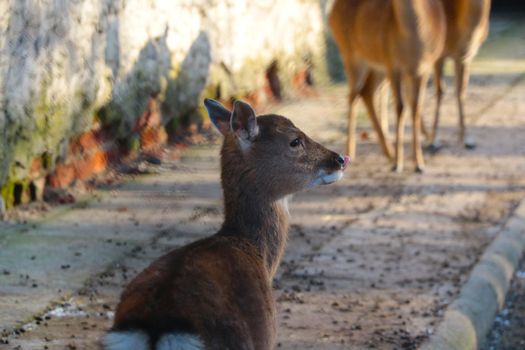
(216, 293)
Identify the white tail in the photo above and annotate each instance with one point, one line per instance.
(126, 340)
(137, 340)
(398, 38)
(175, 341)
(216, 292)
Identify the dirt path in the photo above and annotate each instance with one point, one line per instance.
(372, 261)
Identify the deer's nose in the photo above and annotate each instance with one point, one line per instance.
(342, 160)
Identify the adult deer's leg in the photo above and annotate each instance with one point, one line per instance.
(350, 135)
(355, 76)
(372, 82)
(383, 108)
(395, 83)
(438, 86)
(417, 93)
(462, 77)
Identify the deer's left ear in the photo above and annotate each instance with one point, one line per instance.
(219, 115)
(244, 123)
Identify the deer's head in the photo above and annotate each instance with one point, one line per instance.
(269, 153)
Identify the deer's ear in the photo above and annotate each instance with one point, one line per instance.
(244, 122)
(219, 115)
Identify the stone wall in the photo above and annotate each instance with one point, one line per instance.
(81, 77)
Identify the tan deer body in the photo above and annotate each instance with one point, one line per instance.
(216, 293)
(467, 28)
(399, 39)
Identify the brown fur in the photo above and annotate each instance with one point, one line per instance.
(398, 38)
(467, 28)
(220, 288)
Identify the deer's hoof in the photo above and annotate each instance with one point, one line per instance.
(419, 170)
(434, 147)
(469, 142)
(470, 145)
(397, 169)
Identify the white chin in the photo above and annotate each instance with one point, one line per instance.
(331, 178)
(325, 179)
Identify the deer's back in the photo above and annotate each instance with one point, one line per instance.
(373, 31)
(467, 26)
(216, 288)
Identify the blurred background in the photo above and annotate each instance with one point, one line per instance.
(87, 82)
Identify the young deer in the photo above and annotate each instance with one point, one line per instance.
(398, 38)
(467, 28)
(216, 293)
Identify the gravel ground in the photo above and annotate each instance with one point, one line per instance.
(372, 261)
(508, 332)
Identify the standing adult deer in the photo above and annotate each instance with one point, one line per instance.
(401, 39)
(467, 28)
(216, 293)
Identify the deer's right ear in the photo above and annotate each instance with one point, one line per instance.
(244, 122)
(219, 115)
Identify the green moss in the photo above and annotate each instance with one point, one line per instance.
(7, 191)
(48, 161)
(134, 143)
(14, 192)
(50, 121)
(47, 128)
(47, 123)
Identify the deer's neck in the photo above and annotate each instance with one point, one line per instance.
(262, 221)
(251, 212)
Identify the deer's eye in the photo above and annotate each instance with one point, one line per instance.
(295, 142)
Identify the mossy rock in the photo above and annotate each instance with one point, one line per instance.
(7, 191)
